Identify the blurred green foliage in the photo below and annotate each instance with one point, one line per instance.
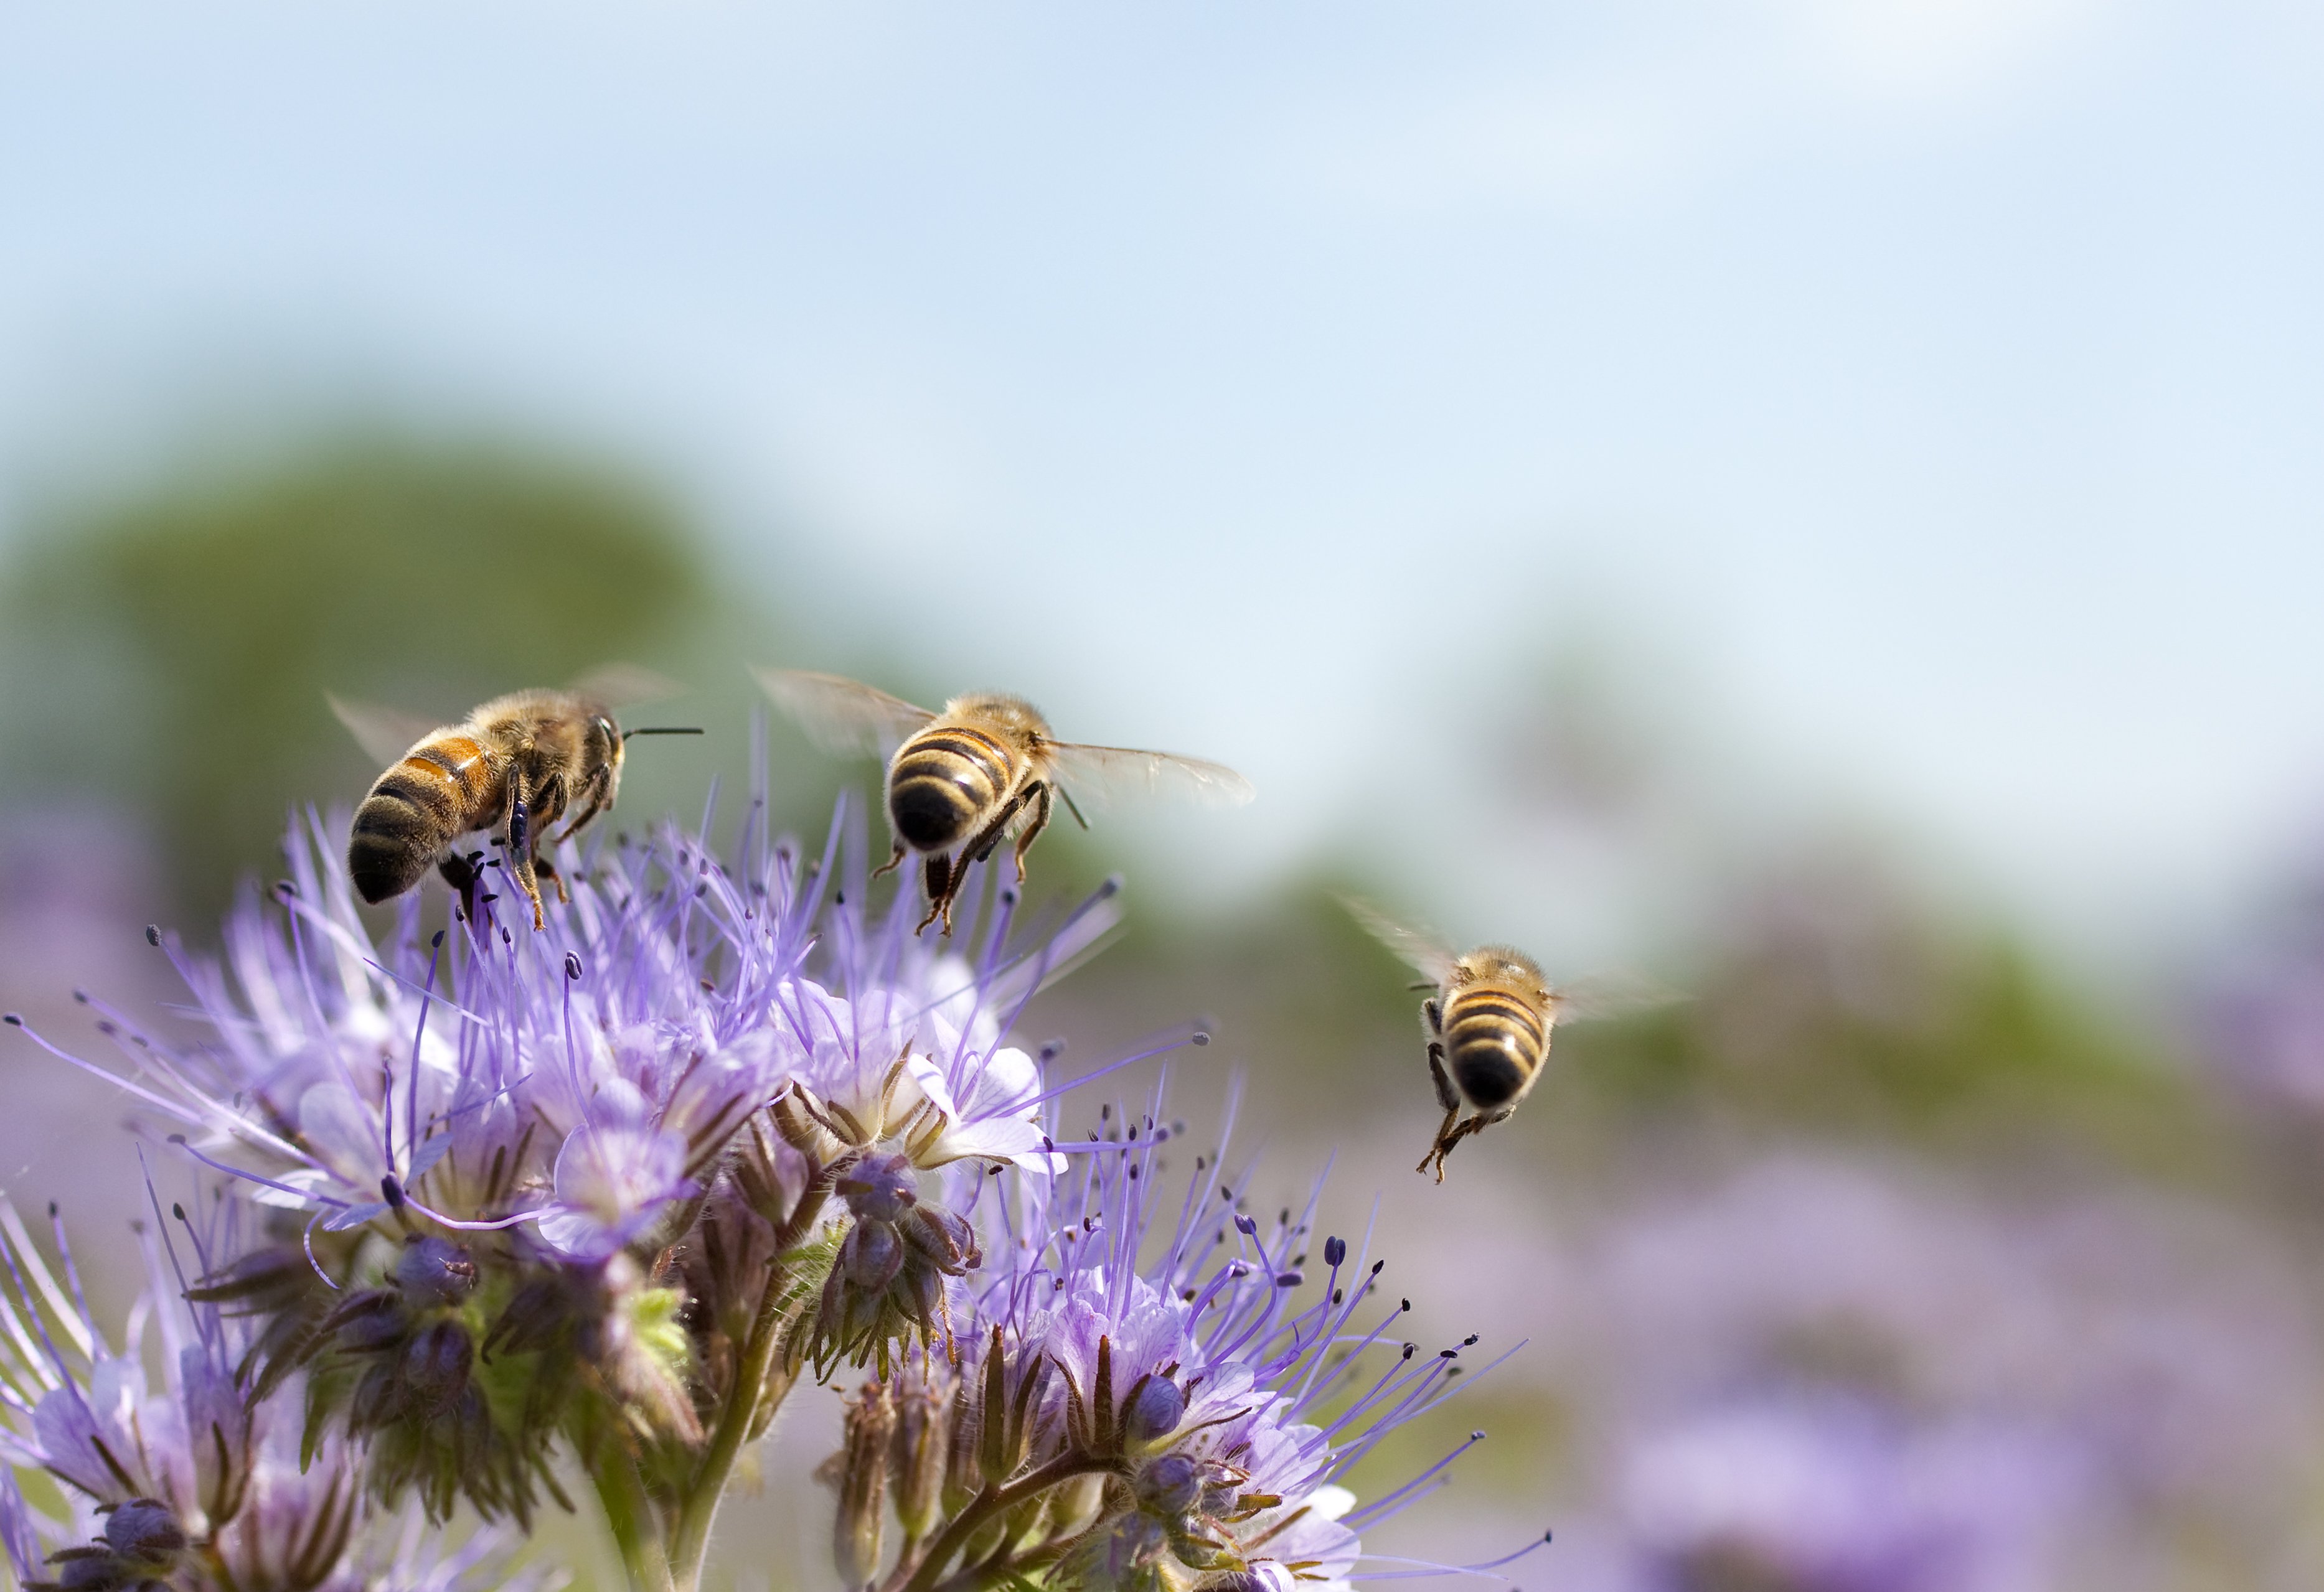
(174, 649)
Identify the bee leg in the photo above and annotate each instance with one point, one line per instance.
(546, 869)
(596, 804)
(1447, 1096)
(460, 873)
(940, 883)
(1447, 1135)
(521, 842)
(1040, 794)
(981, 848)
(895, 859)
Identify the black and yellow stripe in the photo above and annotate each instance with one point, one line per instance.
(440, 789)
(943, 784)
(1495, 1041)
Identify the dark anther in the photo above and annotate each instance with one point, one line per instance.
(1375, 1267)
(81, 996)
(1133, 1173)
(391, 1192)
(1338, 1295)
(1198, 1038)
(1009, 898)
(177, 1210)
(52, 1211)
(1476, 1437)
(1469, 1341)
(993, 1171)
(1112, 886)
(1409, 1349)
(438, 942)
(1048, 1143)
(1052, 1051)
(154, 934)
(1448, 1354)
(1105, 1113)
(572, 965)
(1246, 1224)
(285, 888)
(1284, 1220)
(1335, 1250)
(1290, 1279)
(839, 897)
(504, 934)
(1408, 1304)
(12, 1020)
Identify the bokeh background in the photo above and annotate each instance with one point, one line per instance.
(1812, 503)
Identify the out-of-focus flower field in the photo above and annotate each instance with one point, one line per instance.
(1902, 1254)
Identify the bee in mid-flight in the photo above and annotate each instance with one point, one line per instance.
(525, 759)
(1487, 1025)
(961, 781)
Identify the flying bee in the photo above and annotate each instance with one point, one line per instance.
(523, 760)
(986, 767)
(1488, 1022)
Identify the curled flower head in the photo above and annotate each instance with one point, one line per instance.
(193, 1485)
(1155, 1399)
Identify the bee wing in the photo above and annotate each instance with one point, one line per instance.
(1423, 949)
(385, 733)
(1099, 772)
(619, 685)
(1597, 997)
(843, 715)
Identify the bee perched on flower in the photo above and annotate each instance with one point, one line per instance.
(501, 1206)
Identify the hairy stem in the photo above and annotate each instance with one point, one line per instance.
(988, 1502)
(630, 1516)
(690, 1540)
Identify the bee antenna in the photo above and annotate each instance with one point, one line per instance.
(663, 730)
(1067, 797)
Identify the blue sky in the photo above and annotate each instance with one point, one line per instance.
(1922, 393)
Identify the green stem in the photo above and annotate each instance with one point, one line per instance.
(630, 1516)
(690, 1541)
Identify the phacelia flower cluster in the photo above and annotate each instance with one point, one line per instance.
(489, 1207)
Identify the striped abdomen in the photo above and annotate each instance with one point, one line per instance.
(945, 781)
(1495, 1041)
(442, 789)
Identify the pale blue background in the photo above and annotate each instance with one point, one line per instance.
(1918, 399)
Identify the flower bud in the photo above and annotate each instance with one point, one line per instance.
(923, 1447)
(436, 1366)
(1153, 1409)
(879, 1188)
(863, 1478)
(434, 1271)
(873, 1255)
(145, 1534)
(1170, 1487)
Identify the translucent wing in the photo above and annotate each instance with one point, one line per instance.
(383, 733)
(1098, 772)
(1597, 997)
(619, 685)
(840, 714)
(1423, 949)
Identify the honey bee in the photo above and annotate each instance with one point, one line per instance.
(987, 767)
(1488, 1023)
(524, 760)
